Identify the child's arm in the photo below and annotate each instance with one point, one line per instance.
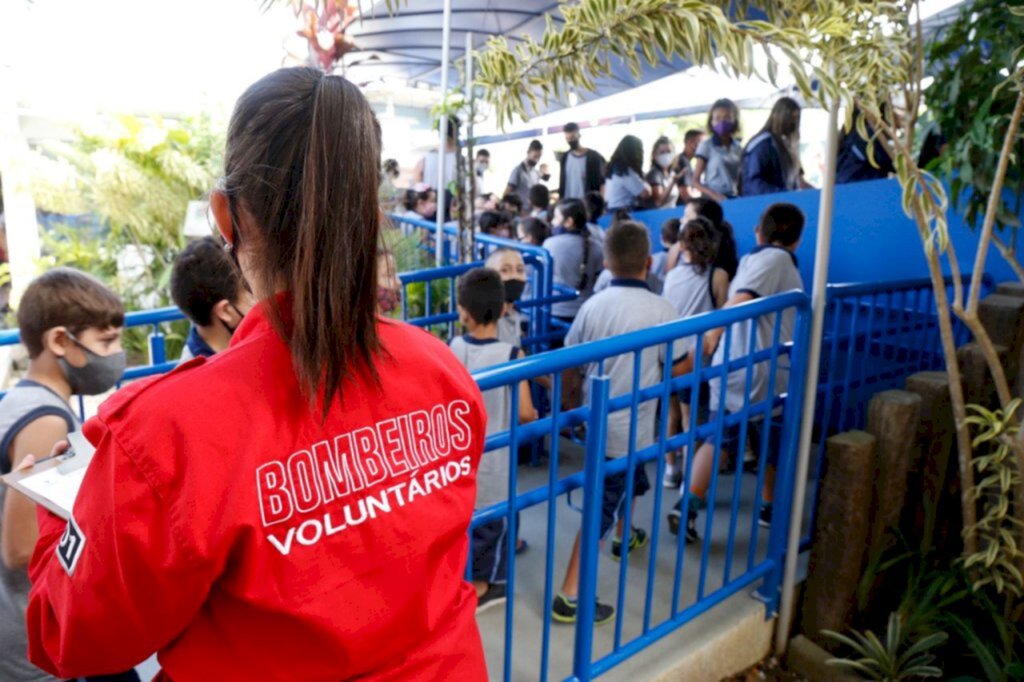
(672, 259)
(20, 529)
(712, 337)
(720, 287)
(527, 412)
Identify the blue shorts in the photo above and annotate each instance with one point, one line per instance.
(613, 503)
(755, 434)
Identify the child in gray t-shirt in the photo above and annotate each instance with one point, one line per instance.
(627, 305)
(767, 270)
(481, 300)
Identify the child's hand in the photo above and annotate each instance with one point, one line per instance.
(29, 461)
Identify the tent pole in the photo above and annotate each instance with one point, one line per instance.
(818, 303)
(469, 197)
(442, 208)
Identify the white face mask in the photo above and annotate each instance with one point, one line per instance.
(665, 160)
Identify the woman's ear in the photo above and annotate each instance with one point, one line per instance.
(221, 209)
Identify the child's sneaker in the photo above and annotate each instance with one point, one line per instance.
(675, 520)
(563, 610)
(673, 476)
(764, 517)
(495, 595)
(637, 539)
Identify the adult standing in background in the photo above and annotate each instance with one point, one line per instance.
(660, 177)
(526, 174)
(481, 164)
(625, 186)
(426, 169)
(771, 160)
(852, 164)
(684, 165)
(582, 169)
(717, 169)
(237, 567)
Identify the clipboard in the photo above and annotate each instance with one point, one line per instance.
(54, 482)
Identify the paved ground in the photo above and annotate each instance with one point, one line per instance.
(529, 606)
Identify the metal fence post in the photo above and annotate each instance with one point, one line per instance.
(157, 347)
(784, 506)
(593, 485)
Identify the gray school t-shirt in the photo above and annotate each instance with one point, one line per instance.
(721, 165)
(522, 179)
(566, 251)
(765, 271)
(623, 191)
(22, 405)
(575, 176)
(625, 306)
(474, 354)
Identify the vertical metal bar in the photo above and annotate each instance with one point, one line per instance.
(549, 556)
(593, 486)
(691, 451)
(627, 500)
(666, 397)
(446, 39)
(511, 527)
(813, 357)
(466, 250)
(741, 450)
(762, 457)
(157, 346)
(711, 492)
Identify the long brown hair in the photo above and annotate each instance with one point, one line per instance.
(303, 153)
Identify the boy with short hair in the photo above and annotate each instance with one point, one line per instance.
(71, 324)
(769, 269)
(480, 297)
(206, 286)
(540, 201)
(627, 305)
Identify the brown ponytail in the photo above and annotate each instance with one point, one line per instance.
(303, 154)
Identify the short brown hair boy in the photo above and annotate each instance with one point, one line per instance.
(65, 297)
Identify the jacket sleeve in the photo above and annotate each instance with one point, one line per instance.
(119, 581)
(761, 170)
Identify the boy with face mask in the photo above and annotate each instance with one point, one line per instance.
(71, 325)
(206, 286)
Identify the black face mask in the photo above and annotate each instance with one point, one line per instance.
(241, 316)
(531, 163)
(574, 145)
(546, 177)
(514, 290)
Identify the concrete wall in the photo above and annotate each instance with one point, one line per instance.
(872, 239)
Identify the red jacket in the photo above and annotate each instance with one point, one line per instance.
(222, 525)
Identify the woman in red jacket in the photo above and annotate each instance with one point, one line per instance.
(296, 507)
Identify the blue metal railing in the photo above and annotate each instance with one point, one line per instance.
(876, 335)
(542, 285)
(762, 561)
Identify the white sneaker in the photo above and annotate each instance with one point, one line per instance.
(673, 476)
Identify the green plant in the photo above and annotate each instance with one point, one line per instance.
(895, 659)
(970, 60)
(1000, 553)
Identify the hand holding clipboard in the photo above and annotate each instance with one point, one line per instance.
(54, 481)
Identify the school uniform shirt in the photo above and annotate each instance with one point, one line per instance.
(522, 179)
(852, 163)
(688, 290)
(626, 306)
(567, 263)
(765, 271)
(474, 354)
(658, 177)
(604, 280)
(512, 327)
(721, 164)
(249, 538)
(764, 171)
(195, 346)
(622, 190)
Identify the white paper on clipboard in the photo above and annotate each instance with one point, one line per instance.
(56, 486)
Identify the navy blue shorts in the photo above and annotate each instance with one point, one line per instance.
(613, 504)
(488, 546)
(755, 434)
